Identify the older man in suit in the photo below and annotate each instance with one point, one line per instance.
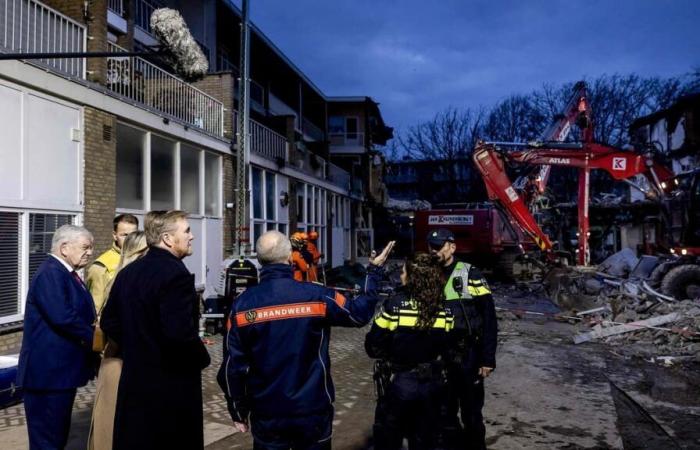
(152, 315)
(56, 356)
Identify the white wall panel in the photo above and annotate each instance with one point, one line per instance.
(52, 158)
(194, 262)
(11, 145)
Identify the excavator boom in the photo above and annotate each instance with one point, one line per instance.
(621, 165)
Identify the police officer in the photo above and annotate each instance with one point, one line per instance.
(473, 348)
(409, 336)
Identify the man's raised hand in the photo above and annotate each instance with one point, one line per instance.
(380, 259)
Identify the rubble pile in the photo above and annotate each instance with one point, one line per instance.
(679, 337)
(628, 311)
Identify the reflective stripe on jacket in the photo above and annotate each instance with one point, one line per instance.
(277, 362)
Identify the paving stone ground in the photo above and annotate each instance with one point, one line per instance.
(351, 370)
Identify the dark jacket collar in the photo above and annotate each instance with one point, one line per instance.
(275, 271)
(157, 252)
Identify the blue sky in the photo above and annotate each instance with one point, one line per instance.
(418, 57)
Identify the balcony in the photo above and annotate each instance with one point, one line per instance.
(311, 131)
(116, 6)
(144, 9)
(347, 143)
(264, 141)
(31, 27)
(338, 176)
(140, 81)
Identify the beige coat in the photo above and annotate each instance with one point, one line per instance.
(102, 425)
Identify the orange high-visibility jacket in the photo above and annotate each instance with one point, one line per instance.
(313, 268)
(301, 269)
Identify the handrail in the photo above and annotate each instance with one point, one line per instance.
(144, 82)
(30, 26)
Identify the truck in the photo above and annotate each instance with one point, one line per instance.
(484, 234)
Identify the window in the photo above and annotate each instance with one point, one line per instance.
(130, 147)
(23, 233)
(300, 203)
(162, 173)
(314, 200)
(351, 128)
(41, 229)
(189, 181)
(336, 125)
(212, 191)
(257, 194)
(270, 196)
(264, 199)
(9, 263)
(199, 174)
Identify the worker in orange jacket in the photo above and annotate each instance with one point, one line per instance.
(299, 263)
(315, 254)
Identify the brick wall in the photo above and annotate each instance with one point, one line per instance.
(221, 86)
(100, 182)
(96, 22)
(11, 340)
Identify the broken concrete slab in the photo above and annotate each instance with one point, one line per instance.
(626, 328)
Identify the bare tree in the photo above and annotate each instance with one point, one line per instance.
(450, 135)
(515, 119)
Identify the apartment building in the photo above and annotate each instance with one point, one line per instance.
(85, 139)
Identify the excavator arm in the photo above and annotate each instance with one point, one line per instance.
(621, 165)
(576, 112)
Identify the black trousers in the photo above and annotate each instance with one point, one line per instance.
(312, 432)
(466, 396)
(410, 409)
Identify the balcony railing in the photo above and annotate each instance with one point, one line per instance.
(117, 6)
(347, 139)
(264, 141)
(312, 130)
(32, 27)
(338, 176)
(144, 9)
(267, 143)
(145, 83)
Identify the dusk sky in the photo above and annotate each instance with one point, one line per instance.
(418, 57)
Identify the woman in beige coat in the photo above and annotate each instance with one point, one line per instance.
(102, 426)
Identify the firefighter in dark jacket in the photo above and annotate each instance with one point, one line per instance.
(410, 336)
(473, 343)
(276, 373)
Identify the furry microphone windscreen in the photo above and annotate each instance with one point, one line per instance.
(171, 30)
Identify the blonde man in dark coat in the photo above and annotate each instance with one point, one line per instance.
(152, 315)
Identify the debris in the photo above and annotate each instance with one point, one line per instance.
(650, 323)
(620, 264)
(593, 311)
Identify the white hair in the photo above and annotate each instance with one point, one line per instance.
(273, 247)
(66, 234)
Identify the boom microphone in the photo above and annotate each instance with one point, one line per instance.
(183, 51)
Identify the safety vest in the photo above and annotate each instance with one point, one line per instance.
(470, 288)
(110, 261)
(405, 315)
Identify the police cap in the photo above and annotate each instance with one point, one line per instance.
(437, 238)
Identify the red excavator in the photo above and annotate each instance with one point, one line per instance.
(488, 235)
(681, 275)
